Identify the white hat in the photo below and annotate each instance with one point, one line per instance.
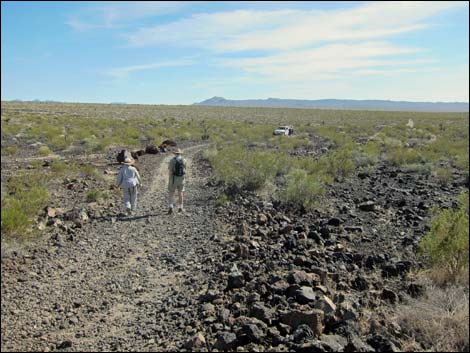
(128, 161)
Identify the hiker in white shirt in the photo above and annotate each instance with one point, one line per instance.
(128, 179)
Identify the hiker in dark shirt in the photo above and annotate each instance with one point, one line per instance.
(176, 174)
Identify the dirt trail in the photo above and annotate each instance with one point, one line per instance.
(117, 284)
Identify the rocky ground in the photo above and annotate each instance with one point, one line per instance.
(327, 280)
(252, 275)
(101, 283)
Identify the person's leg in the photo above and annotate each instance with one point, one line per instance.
(134, 198)
(181, 193)
(171, 199)
(127, 199)
(171, 194)
(181, 199)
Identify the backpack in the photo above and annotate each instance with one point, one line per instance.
(179, 167)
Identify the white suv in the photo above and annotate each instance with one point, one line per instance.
(282, 130)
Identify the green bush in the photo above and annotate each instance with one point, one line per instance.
(58, 143)
(247, 169)
(27, 198)
(368, 155)
(93, 195)
(88, 170)
(339, 164)
(221, 200)
(10, 150)
(302, 189)
(59, 167)
(443, 175)
(399, 156)
(44, 151)
(15, 221)
(446, 244)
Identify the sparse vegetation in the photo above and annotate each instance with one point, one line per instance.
(330, 151)
(94, 195)
(26, 198)
(302, 189)
(446, 244)
(437, 321)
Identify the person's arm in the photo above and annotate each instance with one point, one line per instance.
(119, 178)
(170, 169)
(138, 177)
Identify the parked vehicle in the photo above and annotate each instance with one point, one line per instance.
(284, 130)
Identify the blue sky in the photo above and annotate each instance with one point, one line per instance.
(185, 52)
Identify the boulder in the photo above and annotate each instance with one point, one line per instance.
(196, 342)
(312, 318)
(226, 341)
(368, 206)
(262, 219)
(303, 278)
(152, 149)
(326, 305)
(261, 312)
(235, 279)
(305, 295)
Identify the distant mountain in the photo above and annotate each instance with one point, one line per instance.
(35, 101)
(343, 104)
(121, 103)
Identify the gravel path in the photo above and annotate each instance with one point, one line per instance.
(117, 284)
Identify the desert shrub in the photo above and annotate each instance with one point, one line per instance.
(319, 168)
(334, 134)
(44, 151)
(419, 168)
(11, 129)
(93, 195)
(221, 200)
(244, 168)
(445, 246)
(26, 199)
(209, 154)
(437, 321)
(88, 170)
(368, 155)
(302, 189)
(290, 143)
(58, 167)
(36, 164)
(9, 151)
(461, 161)
(399, 156)
(15, 221)
(339, 163)
(58, 143)
(443, 175)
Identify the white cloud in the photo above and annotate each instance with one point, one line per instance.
(288, 29)
(206, 30)
(121, 72)
(327, 61)
(116, 14)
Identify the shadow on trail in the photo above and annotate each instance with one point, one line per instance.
(124, 218)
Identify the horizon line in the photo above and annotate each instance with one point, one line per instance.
(245, 99)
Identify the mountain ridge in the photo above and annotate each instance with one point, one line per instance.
(341, 104)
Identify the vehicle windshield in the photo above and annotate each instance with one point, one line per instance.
(282, 128)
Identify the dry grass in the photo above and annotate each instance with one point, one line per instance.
(437, 321)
